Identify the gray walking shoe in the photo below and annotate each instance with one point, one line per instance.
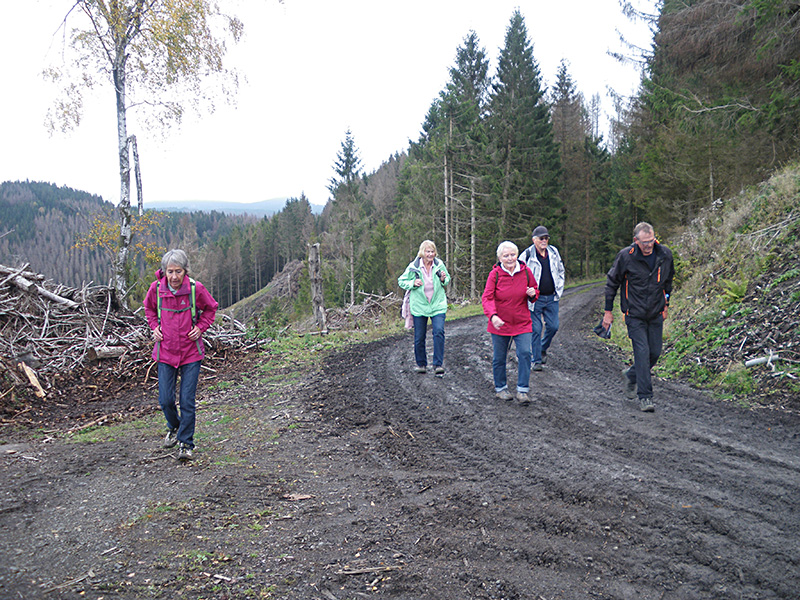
(523, 399)
(646, 405)
(171, 439)
(421, 369)
(630, 386)
(504, 394)
(537, 366)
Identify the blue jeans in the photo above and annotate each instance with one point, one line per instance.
(647, 340)
(500, 344)
(167, 378)
(421, 331)
(545, 307)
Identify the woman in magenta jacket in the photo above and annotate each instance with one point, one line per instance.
(178, 310)
(505, 301)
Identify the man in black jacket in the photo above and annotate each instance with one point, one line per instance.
(644, 272)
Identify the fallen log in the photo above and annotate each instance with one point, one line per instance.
(30, 287)
(101, 352)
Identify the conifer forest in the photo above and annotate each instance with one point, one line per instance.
(499, 152)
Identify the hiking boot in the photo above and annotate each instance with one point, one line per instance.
(421, 369)
(504, 394)
(522, 398)
(438, 370)
(630, 387)
(646, 405)
(171, 439)
(537, 366)
(544, 357)
(185, 453)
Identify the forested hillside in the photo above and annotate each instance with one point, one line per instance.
(38, 224)
(42, 224)
(499, 152)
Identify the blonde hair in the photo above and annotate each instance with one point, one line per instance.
(426, 244)
(506, 244)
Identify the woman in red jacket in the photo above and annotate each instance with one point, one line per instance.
(178, 310)
(505, 302)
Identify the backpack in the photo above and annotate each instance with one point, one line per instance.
(192, 301)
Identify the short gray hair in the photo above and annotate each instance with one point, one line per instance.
(643, 226)
(175, 257)
(506, 244)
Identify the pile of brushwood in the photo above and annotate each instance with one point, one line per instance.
(54, 338)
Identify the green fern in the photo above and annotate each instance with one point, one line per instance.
(734, 291)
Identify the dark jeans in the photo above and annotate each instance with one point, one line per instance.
(167, 379)
(646, 339)
(546, 307)
(500, 344)
(421, 331)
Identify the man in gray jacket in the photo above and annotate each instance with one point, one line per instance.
(548, 270)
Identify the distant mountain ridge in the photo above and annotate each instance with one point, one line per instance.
(259, 209)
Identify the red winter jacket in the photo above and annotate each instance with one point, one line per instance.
(176, 320)
(506, 296)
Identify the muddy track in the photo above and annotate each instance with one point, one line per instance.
(580, 493)
(370, 480)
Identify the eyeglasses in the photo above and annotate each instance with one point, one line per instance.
(647, 243)
(544, 237)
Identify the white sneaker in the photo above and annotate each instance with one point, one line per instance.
(185, 453)
(171, 439)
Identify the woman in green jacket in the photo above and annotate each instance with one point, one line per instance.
(425, 279)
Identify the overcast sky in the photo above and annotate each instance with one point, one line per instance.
(314, 69)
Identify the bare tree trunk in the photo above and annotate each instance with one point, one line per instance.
(473, 289)
(315, 277)
(446, 224)
(453, 265)
(138, 171)
(506, 189)
(352, 273)
(120, 265)
(711, 181)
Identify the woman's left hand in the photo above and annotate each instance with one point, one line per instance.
(195, 334)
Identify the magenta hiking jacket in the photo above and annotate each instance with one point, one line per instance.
(176, 320)
(506, 296)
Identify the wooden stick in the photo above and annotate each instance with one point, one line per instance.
(367, 570)
(31, 374)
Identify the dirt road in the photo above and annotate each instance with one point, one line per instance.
(370, 480)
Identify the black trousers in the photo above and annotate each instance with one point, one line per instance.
(647, 340)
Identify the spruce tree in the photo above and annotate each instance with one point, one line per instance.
(350, 211)
(526, 178)
(584, 176)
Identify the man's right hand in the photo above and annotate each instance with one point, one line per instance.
(608, 318)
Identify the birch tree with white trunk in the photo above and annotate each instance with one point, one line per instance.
(160, 58)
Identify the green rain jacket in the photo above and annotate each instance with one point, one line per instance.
(419, 305)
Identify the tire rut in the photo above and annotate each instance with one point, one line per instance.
(699, 499)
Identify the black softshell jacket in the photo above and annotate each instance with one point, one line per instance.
(643, 293)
